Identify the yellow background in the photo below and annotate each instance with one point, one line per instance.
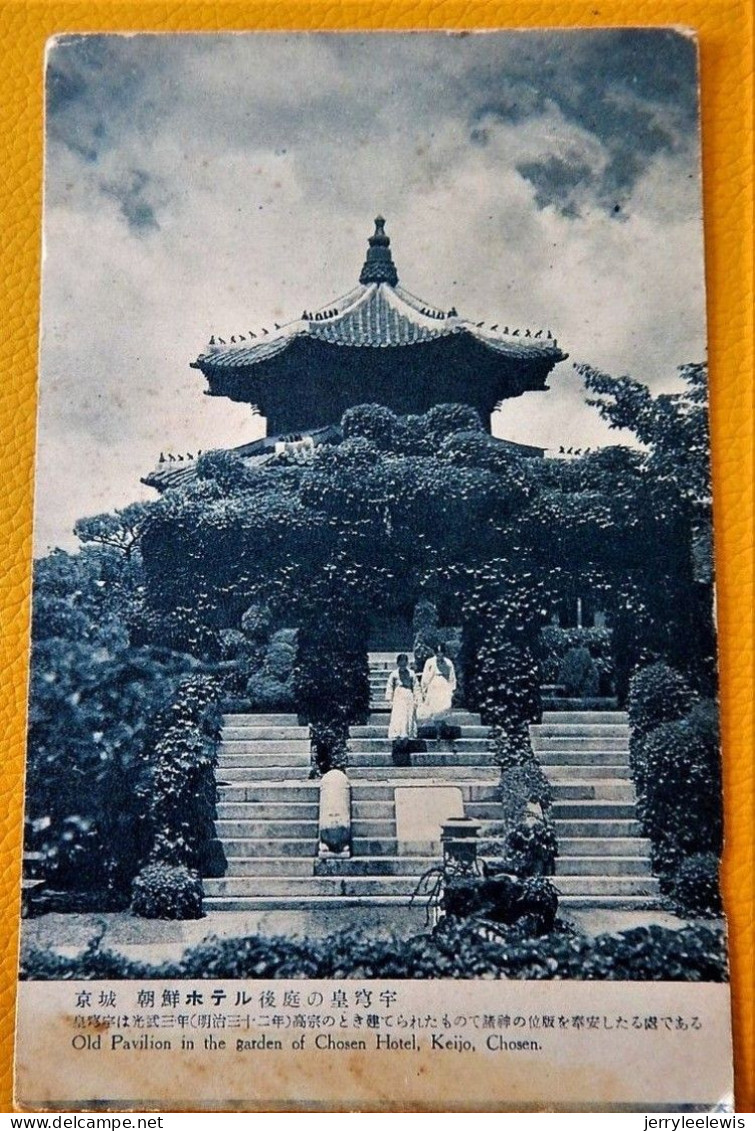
(726, 44)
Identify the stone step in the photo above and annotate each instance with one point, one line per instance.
(373, 828)
(284, 775)
(610, 902)
(602, 810)
(366, 846)
(483, 810)
(362, 791)
(383, 746)
(579, 758)
(582, 718)
(603, 846)
(270, 865)
(597, 789)
(252, 761)
(415, 866)
(431, 758)
(596, 828)
(581, 730)
(305, 792)
(557, 705)
(302, 903)
(272, 811)
(292, 886)
(446, 775)
(243, 846)
(373, 810)
(602, 866)
(570, 775)
(607, 885)
(317, 866)
(242, 720)
(246, 827)
(265, 734)
(381, 714)
(265, 746)
(555, 744)
(468, 730)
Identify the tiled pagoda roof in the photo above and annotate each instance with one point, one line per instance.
(378, 314)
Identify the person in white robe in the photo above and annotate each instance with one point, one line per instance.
(401, 692)
(438, 686)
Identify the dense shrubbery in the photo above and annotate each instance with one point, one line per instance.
(530, 903)
(91, 733)
(165, 891)
(331, 683)
(523, 841)
(675, 758)
(579, 675)
(695, 888)
(556, 643)
(681, 802)
(658, 694)
(181, 780)
(425, 626)
(330, 750)
(454, 950)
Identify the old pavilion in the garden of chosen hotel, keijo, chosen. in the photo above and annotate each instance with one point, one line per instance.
(380, 344)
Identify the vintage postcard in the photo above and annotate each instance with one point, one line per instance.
(373, 753)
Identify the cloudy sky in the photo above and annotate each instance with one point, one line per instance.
(209, 184)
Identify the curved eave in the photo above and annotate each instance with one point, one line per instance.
(376, 316)
(527, 350)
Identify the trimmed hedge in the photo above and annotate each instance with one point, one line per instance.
(556, 643)
(453, 950)
(696, 889)
(162, 891)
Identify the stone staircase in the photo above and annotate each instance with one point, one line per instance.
(267, 812)
(603, 858)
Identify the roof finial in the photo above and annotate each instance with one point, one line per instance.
(379, 266)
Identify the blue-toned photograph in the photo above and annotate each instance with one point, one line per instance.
(373, 617)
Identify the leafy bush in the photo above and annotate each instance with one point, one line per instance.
(182, 783)
(264, 694)
(373, 422)
(256, 623)
(579, 674)
(425, 627)
(681, 805)
(225, 468)
(280, 655)
(696, 889)
(330, 675)
(232, 644)
(92, 715)
(675, 759)
(163, 891)
(444, 420)
(657, 694)
(555, 642)
(522, 785)
(330, 749)
(506, 683)
(532, 848)
(453, 950)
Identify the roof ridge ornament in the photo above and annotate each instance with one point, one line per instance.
(378, 265)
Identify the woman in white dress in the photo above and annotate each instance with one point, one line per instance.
(438, 686)
(401, 693)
